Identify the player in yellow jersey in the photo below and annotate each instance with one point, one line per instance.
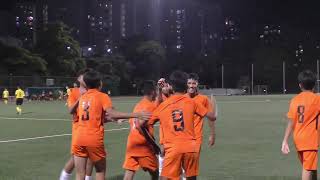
(5, 96)
(67, 94)
(19, 99)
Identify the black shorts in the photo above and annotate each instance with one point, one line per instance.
(19, 101)
(5, 99)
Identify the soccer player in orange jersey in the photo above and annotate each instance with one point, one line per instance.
(176, 116)
(73, 102)
(89, 139)
(303, 117)
(164, 92)
(193, 93)
(139, 153)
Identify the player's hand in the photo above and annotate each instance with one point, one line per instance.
(161, 83)
(285, 147)
(212, 140)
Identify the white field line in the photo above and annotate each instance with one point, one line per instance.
(52, 136)
(34, 119)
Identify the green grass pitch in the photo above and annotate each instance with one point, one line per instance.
(248, 141)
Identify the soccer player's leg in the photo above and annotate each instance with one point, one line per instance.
(150, 164)
(171, 168)
(309, 160)
(190, 164)
(5, 100)
(160, 158)
(66, 173)
(80, 155)
(19, 102)
(131, 165)
(89, 169)
(98, 157)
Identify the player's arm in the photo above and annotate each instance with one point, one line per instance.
(202, 111)
(290, 116)
(285, 145)
(73, 108)
(113, 114)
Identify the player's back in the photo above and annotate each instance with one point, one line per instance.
(176, 117)
(137, 143)
(19, 93)
(5, 94)
(90, 131)
(304, 111)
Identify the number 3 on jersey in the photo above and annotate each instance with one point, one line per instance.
(178, 122)
(300, 114)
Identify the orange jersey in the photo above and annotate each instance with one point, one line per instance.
(176, 116)
(92, 106)
(72, 99)
(137, 145)
(198, 120)
(304, 111)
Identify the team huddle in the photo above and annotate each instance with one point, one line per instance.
(179, 114)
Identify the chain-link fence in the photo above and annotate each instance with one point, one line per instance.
(268, 78)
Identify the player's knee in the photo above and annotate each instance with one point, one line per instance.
(100, 166)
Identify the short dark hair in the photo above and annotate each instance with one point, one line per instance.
(148, 87)
(83, 71)
(178, 81)
(193, 76)
(307, 79)
(92, 79)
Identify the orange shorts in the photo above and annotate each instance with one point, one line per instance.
(173, 163)
(146, 163)
(93, 153)
(309, 159)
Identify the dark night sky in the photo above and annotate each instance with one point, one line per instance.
(293, 12)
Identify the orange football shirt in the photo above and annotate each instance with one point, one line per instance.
(137, 145)
(198, 120)
(304, 111)
(176, 116)
(92, 106)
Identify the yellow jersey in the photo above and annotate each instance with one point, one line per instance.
(5, 94)
(19, 94)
